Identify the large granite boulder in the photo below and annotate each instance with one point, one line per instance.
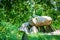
(40, 21)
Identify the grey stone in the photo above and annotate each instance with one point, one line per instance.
(33, 29)
(24, 27)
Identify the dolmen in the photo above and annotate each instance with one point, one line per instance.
(37, 24)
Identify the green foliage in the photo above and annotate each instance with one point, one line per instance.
(15, 12)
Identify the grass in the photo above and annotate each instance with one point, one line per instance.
(38, 36)
(44, 37)
(9, 31)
